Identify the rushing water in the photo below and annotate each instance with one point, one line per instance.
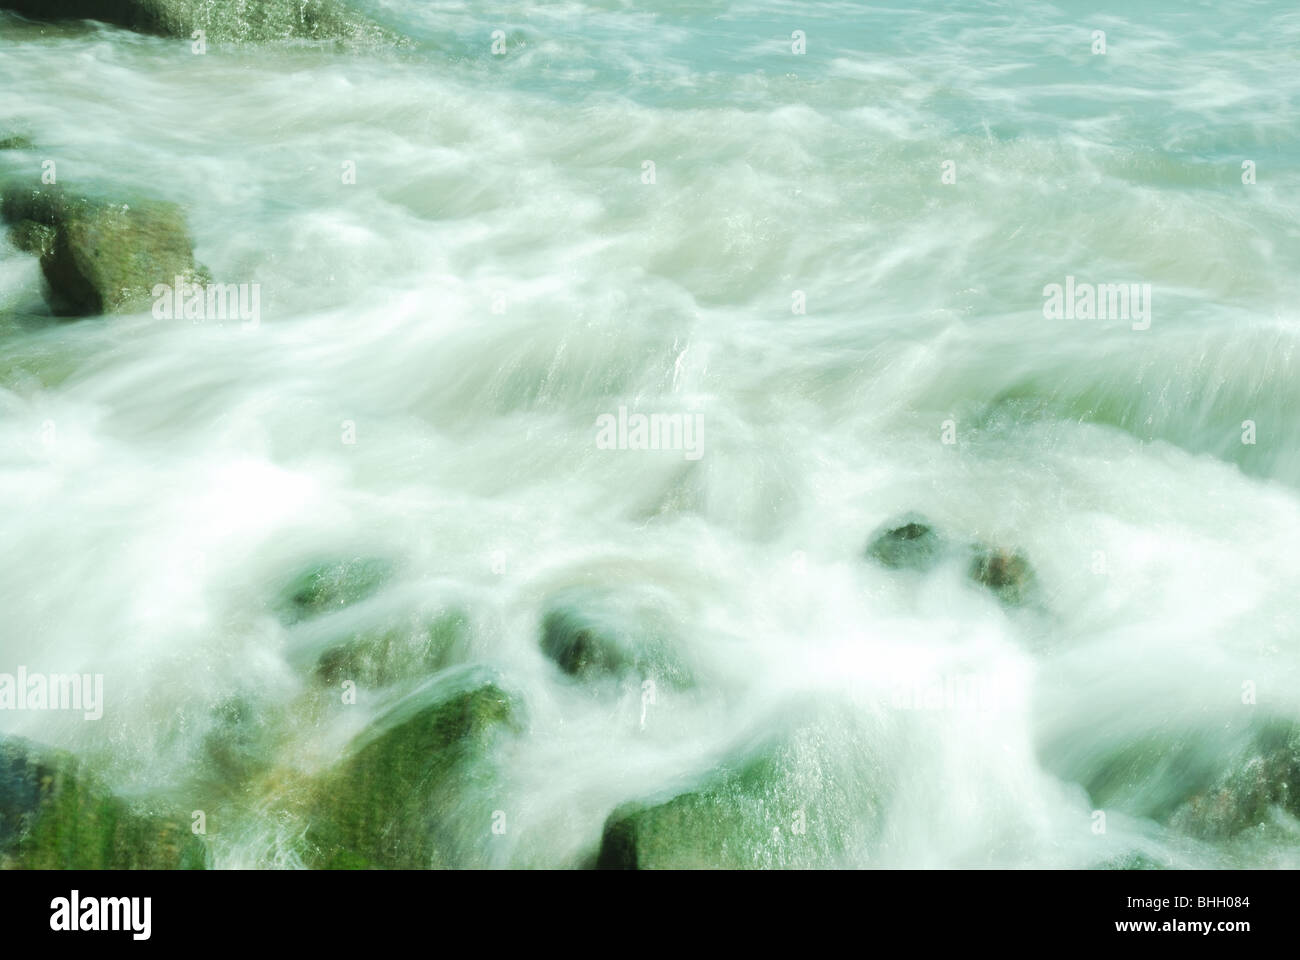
(438, 339)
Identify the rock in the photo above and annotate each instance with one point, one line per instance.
(54, 815)
(382, 658)
(1261, 784)
(418, 793)
(237, 746)
(100, 256)
(1006, 572)
(594, 634)
(908, 544)
(578, 648)
(809, 798)
(234, 20)
(32, 237)
(331, 586)
(16, 141)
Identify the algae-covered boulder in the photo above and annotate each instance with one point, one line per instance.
(16, 141)
(234, 20)
(592, 635)
(100, 255)
(33, 237)
(807, 798)
(330, 586)
(1259, 786)
(55, 815)
(416, 791)
(382, 657)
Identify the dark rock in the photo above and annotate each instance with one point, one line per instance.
(809, 798)
(234, 20)
(16, 141)
(594, 634)
(910, 544)
(1006, 572)
(578, 648)
(55, 815)
(100, 256)
(400, 800)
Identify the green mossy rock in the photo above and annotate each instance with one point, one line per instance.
(55, 816)
(100, 256)
(383, 658)
(327, 587)
(400, 799)
(808, 799)
(32, 237)
(591, 635)
(234, 20)
(16, 141)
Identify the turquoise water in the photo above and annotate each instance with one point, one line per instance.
(500, 275)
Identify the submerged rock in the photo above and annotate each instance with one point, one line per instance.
(579, 648)
(416, 795)
(56, 816)
(237, 20)
(237, 746)
(909, 544)
(385, 657)
(590, 635)
(1259, 786)
(1006, 572)
(100, 256)
(16, 141)
(332, 586)
(810, 798)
